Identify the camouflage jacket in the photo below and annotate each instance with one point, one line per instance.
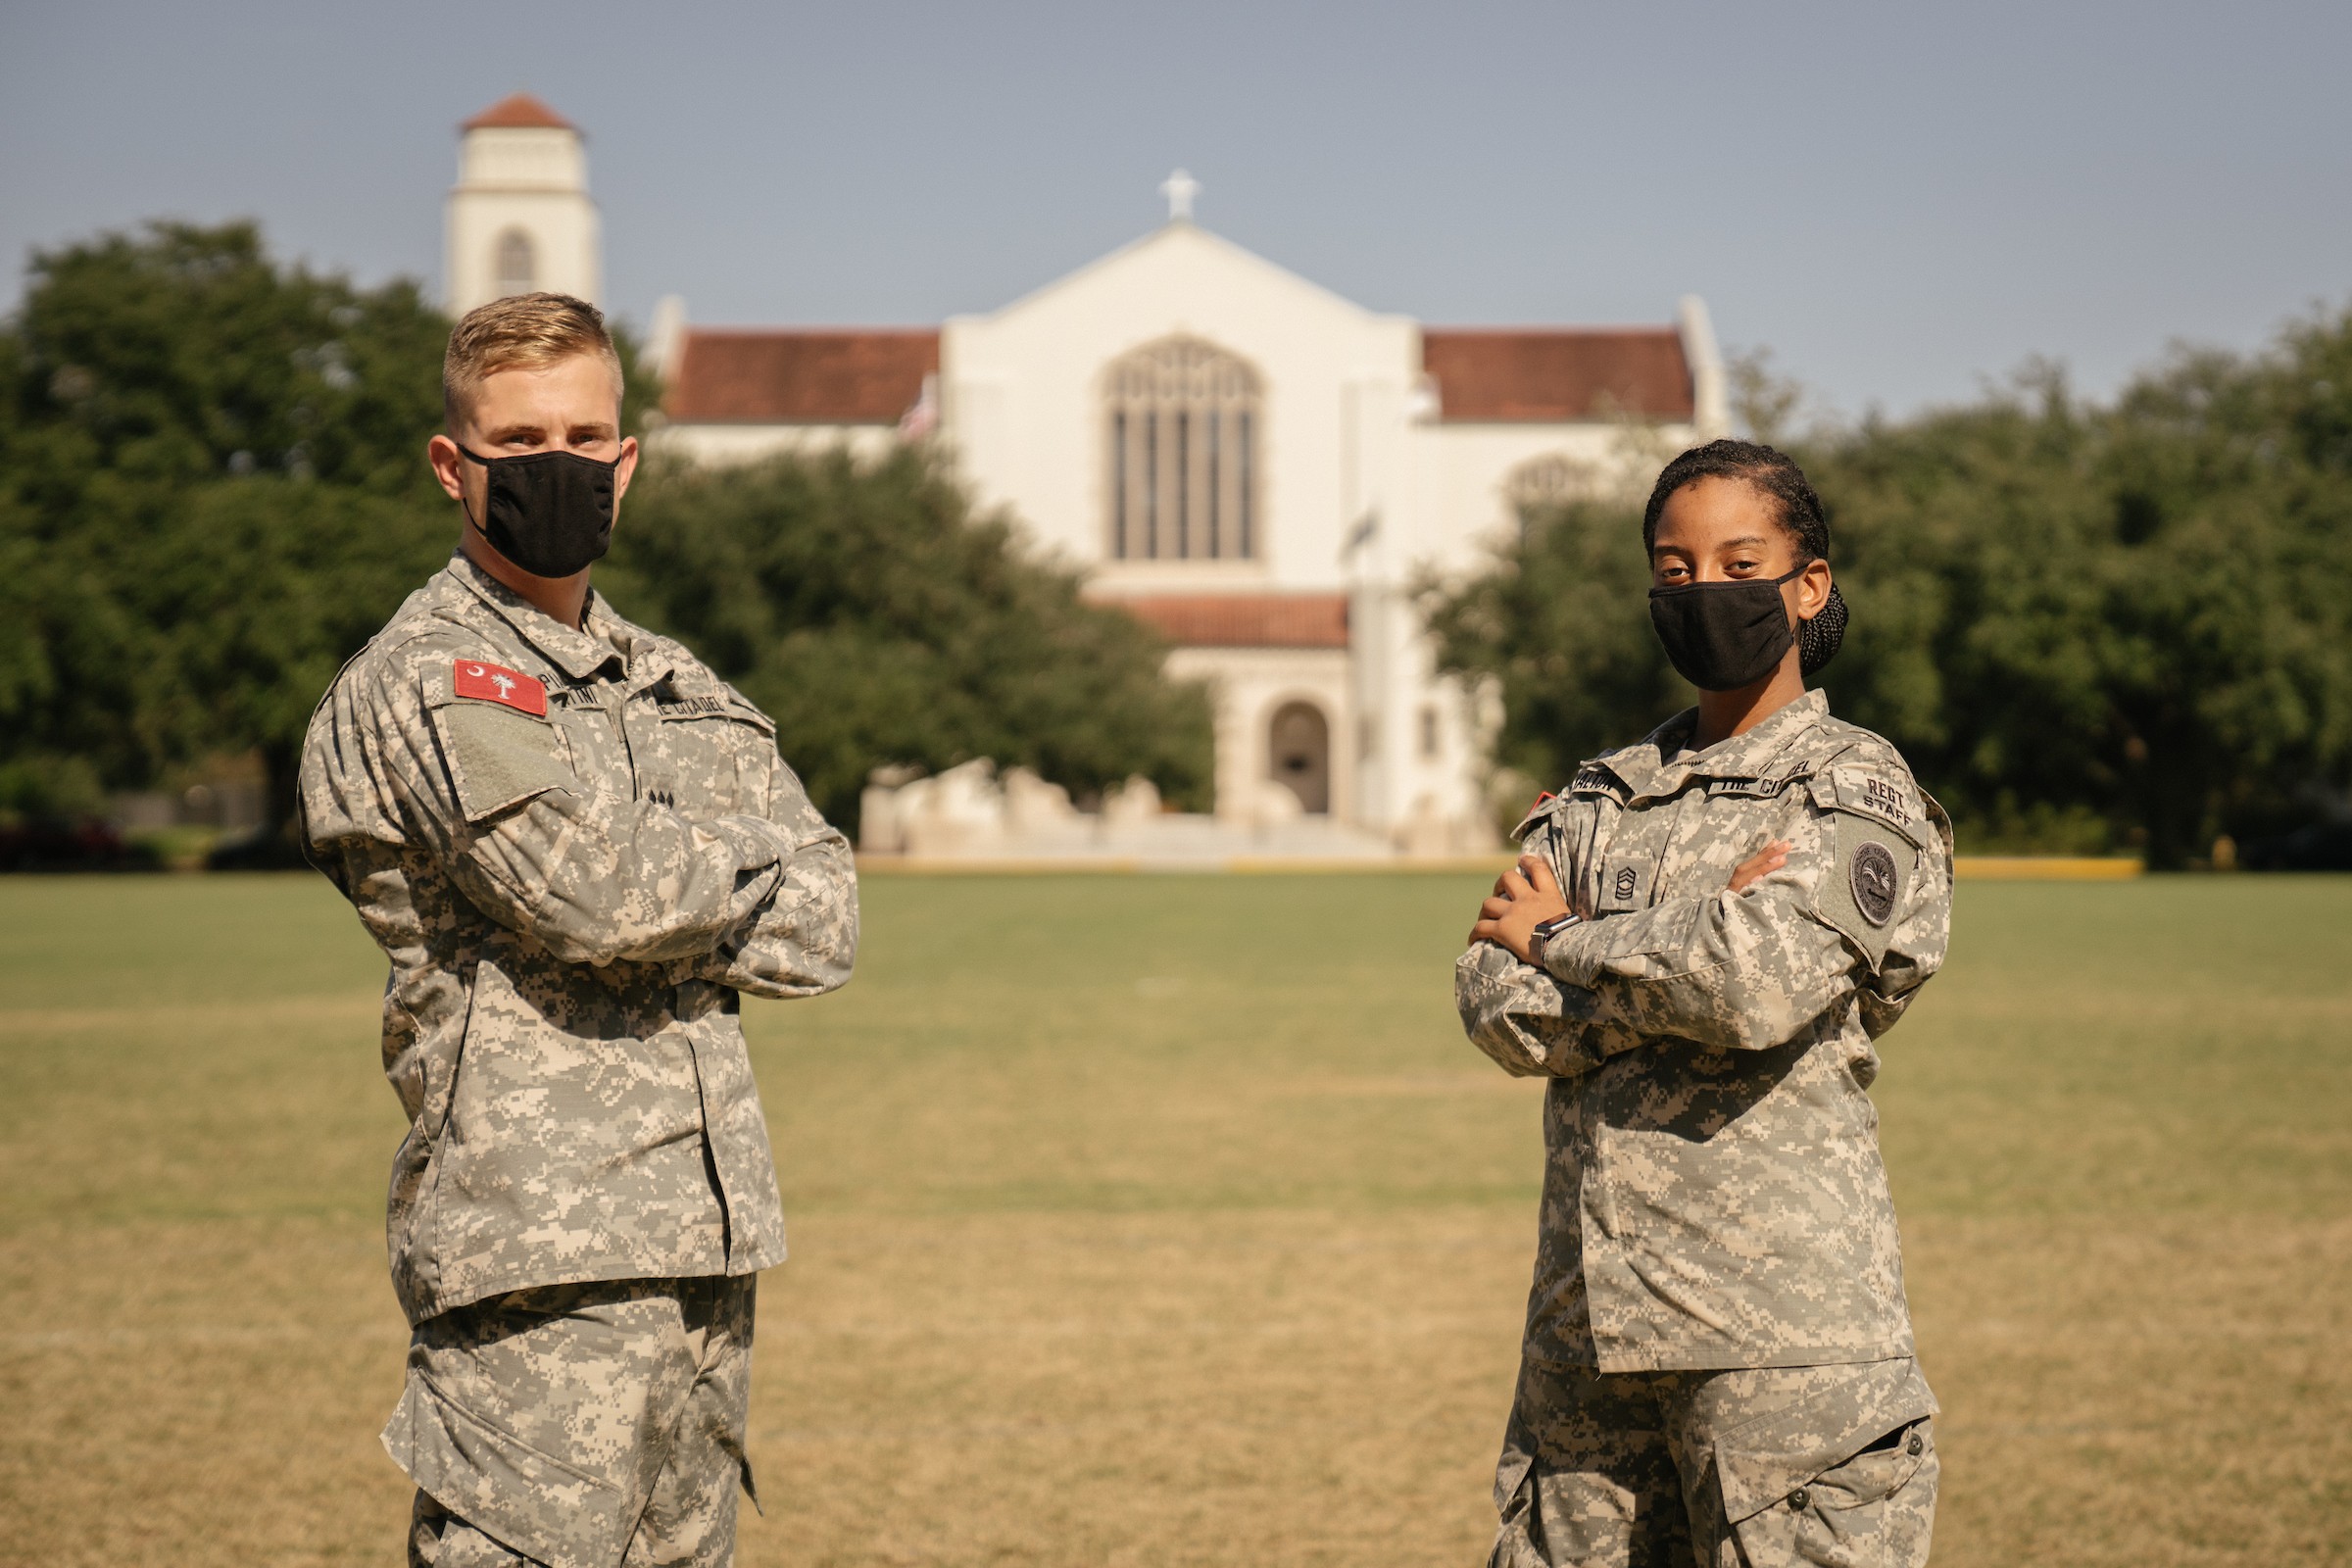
(1713, 1195)
(577, 848)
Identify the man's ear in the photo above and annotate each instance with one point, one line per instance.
(628, 470)
(449, 465)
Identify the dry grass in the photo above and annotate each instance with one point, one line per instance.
(1168, 1221)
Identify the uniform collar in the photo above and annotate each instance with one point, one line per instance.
(576, 653)
(649, 659)
(1645, 770)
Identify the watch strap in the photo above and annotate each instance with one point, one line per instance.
(1542, 935)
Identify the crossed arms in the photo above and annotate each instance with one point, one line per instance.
(763, 902)
(1746, 967)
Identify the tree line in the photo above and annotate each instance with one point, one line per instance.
(2092, 627)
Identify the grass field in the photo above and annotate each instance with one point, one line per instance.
(1169, 1220)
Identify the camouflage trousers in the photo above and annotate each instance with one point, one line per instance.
(1830, 1465)
(580, 1426)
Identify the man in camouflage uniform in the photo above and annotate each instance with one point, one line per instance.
(1718, 1363)
(578, 848)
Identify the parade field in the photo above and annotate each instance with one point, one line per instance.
(1155, 1220)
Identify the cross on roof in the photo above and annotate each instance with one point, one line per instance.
(1180, 188)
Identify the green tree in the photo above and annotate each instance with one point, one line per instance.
(2131, 619)
(880, 623)
(210, 493)
(186, 354)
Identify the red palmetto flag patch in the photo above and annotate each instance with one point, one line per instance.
(493, 683)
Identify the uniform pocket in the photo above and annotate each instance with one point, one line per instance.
(1878, 1472)
(1876, 1509)
(475, 1467)
(1771, 1460)
(712, 764)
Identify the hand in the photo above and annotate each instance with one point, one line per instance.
(1759, 865)
(1524, 897)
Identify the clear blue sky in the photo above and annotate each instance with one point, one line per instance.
(1900, 200)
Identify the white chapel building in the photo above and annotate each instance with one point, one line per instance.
(1245, 461)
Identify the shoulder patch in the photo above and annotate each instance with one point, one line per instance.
(1863, 889)
(1874, 793)
(495, 683)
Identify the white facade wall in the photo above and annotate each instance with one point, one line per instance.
(1463, 506)
(533, 179)
(1021, 393)
(1022, 410)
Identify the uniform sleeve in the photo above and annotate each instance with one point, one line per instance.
(489, 792)
(1530, 1023)
(804, 937)
(1861, 907)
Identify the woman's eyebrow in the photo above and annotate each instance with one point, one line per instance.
(1743, 539)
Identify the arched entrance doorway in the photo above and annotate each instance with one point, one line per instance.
(1299, 754)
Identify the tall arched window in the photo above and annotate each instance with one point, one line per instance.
(517, 263)
(1182, 420)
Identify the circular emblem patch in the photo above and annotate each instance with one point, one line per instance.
(1625, 882)
(1871, 875)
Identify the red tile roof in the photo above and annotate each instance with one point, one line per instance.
(1554, 374)
(788, 376)
(522, 112)
(1241, 620)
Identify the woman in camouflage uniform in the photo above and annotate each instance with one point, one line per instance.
(1706, 935)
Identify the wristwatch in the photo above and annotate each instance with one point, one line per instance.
(1543, 934)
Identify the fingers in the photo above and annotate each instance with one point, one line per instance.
(1530, 878)
(1760, 865)
(1513, 883)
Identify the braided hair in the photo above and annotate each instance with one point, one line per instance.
(1773, 474)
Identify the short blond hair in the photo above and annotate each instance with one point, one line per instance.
(528, 331)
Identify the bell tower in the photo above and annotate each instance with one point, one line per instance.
(520, 218)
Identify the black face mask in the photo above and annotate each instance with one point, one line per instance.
(1723, 635)
(550, 512)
